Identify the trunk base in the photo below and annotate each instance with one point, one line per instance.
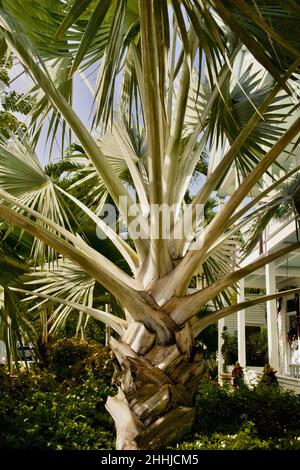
(154, 406)
(170, 427)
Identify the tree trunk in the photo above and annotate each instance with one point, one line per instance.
(156, 387)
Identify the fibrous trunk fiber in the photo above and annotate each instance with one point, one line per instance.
(156, 388)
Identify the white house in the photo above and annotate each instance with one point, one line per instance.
(279, 317)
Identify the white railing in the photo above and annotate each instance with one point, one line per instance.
(295, 371)
(275, 226)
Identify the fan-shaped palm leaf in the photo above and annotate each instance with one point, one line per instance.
(22, 176)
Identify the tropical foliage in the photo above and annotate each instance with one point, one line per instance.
(176, 112)
(49, 409)
(40, 411)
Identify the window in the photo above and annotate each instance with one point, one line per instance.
(252, 330)
(291, 305)
(256, 346)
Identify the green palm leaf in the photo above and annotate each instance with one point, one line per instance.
(22, 176)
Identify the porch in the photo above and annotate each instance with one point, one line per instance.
(279, 317)
(289, 382)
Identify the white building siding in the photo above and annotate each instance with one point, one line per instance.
(255, 316)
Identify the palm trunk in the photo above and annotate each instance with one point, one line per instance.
(156, 387)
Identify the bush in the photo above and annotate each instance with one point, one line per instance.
(269, 376)
(62, 417)
(212, 368)
(52, 409)
(274, 412)
(67, 418)
(246, 439)
(62, 407)
(73, 358)
(229, 348)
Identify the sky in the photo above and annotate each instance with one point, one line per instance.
(82, 105)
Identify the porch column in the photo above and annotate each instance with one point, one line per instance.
(273, 349)
(282, 342)
(241, 326)
(221, 324)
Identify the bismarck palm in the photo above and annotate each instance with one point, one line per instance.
(183, 118)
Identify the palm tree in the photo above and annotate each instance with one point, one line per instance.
(14, 327)
(174, 113)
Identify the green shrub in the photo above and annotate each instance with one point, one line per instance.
(269, 376)
(53, 409)
(246, 439)
(62, 407)
(212, 368)
(216, 410)
(73, 358)
(229, 348)
(275, 412)
(38, 412)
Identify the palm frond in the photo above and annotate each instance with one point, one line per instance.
(252, 23)
(280, 206)
(67, 281)
(243, 98)
(22, 176)
(15, 329)
(116, 323)
(219, 264)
